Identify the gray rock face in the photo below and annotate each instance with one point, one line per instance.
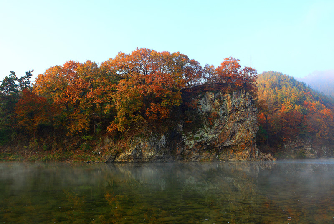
(217, 127)
(307, 148)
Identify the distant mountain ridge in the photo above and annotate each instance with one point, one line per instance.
(321, 81)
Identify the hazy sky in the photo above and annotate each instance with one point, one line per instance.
(295, 37)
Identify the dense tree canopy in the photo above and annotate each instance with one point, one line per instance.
(288, 108)
(130, 93)
(148, 86)
(70, 88)
(10, 91)
(136, 93)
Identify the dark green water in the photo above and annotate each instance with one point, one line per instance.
(279, 192)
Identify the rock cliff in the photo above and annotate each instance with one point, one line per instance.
(306, 148)
(209, 125)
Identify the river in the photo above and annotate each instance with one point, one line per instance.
(296, 191)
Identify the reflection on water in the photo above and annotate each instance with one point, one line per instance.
(273, 192)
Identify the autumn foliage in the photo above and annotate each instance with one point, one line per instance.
(232, 75)
(32, 110)
(131, 93)
(137, 93)
(289, 109)
(148, 85)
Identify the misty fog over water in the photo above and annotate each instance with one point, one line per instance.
(244, 192)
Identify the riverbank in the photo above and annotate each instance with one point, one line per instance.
(107, 151)
(27, 155)
(79, 156)
(84, 156)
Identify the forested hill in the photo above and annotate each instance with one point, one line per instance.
(321, 81)
(86, 107)
(288, 109)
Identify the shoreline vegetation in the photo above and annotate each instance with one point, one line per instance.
(152, 106)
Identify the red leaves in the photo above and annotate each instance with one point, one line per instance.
(319, 119)
(150, 85)
(70, 87)
(33, 110)
(289, 109)
(230, 73)
(134, 91)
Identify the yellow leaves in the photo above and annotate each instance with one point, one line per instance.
(79, 122)
(288, 108)
(130, 91)
(70, 87)
(149, 85)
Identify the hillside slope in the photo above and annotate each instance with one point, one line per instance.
(290, 110)
(132, 98)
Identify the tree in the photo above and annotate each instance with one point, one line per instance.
(148, 86)
(10, 91)
(232, 76)
(72, 88)
(32, 111)
(289, 109)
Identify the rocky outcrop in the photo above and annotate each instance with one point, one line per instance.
(209, 126)
(306, 148)
(227, 123)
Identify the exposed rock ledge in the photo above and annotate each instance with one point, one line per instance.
(221, 127)
(306, 148)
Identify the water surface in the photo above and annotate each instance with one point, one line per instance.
(246, 192)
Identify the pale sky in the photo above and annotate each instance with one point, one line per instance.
(295, 37)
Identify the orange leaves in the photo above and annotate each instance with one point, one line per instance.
(134, 91)
(288, 109)
(291, 123)
(229, 68)
(320, 119)
(149, 86)
(32, 110)
(232, 75)
(55, 81)
(70, 87)
(156, 111)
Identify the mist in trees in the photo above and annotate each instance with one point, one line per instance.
(289, 109)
